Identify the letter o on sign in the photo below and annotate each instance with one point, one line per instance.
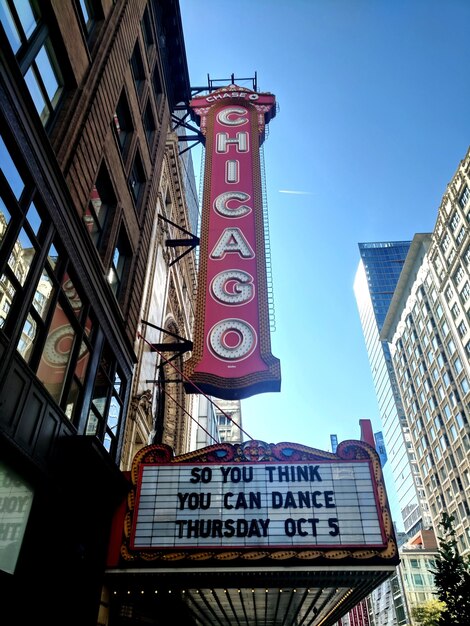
(232, 339)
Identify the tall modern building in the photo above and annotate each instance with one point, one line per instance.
(377, 276)
(428, 330)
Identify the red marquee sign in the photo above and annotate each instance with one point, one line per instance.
(232, 348)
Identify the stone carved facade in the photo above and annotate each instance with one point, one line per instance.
(160, 411)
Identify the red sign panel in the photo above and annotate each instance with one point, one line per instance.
(232, 350)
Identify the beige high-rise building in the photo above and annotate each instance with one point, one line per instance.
(229, 418)
(427, 326)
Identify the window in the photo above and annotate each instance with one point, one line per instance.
(12, 179)
(30, 41)
(149, 124)
(462, 328)
(87, 14)
(453, 432)
(460, 235)
(119, 264)
(454, 221)
(464, 385)
(147, 30)
(43, 309)
(122, 123)
(464, 197)
(57, 335)
(157, 86)
(22, 237)
(446, 243)
(66, 354)
(100, 209)
(137, 178)
(455, 310)
(466, 255)
(138, 72)
(106, 405)
(459, 275)
(465, 293)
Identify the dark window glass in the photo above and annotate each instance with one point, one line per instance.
(119, 264)
(106, 406)
(43, 309)
(122, 123)
(149, 124)
(137, 178)
(464, 197)
(35, 54)
(157, 86)
(10, 172)
(100, 209)
(147, 28)
(23, 232)
(87, 14)
(19, 20)
(138, 69)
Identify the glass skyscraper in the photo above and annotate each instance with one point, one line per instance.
(376, 278)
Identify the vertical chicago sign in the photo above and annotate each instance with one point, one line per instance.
(232, 347)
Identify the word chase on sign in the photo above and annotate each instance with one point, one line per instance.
(232, 349)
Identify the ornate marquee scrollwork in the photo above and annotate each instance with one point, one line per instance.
(254, 451)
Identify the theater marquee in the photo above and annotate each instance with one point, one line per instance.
(259, 501)
(232, 349)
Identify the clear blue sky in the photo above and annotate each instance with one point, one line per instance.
(374, 99)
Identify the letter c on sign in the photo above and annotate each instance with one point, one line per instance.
(223, 116)
(222, 207)
(232, 339)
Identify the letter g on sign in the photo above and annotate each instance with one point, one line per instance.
(232, 339)
(233, 287)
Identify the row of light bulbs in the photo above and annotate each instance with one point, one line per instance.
(115, 592)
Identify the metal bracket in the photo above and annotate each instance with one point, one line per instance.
(190, 243)
(180, 347)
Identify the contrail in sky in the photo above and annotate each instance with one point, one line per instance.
(299, 193)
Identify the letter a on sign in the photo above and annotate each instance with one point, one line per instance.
(232, 356)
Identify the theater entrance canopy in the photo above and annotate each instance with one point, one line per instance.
(252, 533)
